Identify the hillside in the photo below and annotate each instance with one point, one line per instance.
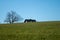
(30, 31)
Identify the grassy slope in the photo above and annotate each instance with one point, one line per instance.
(30, 31)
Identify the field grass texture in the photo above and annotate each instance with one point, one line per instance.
(30, 31)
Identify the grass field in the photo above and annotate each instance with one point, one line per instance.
(30, 31)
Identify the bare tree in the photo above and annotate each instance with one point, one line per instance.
(12, 17)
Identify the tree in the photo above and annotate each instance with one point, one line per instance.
(12, 17)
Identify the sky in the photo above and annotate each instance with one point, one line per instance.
(40, 10)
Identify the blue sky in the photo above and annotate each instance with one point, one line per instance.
(41, 10)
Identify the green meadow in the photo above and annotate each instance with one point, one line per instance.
(30, 31)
